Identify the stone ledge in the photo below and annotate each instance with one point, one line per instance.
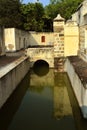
(6, 69)
(80, 67)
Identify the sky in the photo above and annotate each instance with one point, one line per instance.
(44, 2)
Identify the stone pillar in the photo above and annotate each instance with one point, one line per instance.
(58, 27)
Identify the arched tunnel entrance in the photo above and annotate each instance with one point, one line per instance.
(41, 67)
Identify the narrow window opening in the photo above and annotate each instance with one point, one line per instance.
(43, 39)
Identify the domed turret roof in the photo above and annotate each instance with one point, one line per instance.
(59, 18)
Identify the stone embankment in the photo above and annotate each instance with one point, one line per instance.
(77, 72)
(12, 71)
(5, 60)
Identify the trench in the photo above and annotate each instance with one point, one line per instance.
(42, 102)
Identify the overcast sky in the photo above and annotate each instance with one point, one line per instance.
(44, 2)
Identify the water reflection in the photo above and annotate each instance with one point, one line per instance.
(12, 105)
(81, 123)
(53, 87)
(42, 103)
(42, 81)
(62, 106)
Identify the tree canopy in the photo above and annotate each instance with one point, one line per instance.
(10, 15)
(33, 16)
(64, 7)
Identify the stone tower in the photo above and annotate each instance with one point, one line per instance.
(58, 27)
(58, 23)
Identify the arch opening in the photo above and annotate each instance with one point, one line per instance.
(41, 67)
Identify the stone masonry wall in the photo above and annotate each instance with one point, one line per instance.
(59, 44)
(45, 53)
(11, 76)
(83, 42)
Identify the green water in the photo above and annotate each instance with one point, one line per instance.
(42, 103)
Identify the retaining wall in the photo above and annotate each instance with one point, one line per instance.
(78, 87)
(11, 76)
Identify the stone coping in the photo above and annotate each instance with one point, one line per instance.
(5, 60)
(80, 67)
(5, 69)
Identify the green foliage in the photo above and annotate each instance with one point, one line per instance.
(67, 7)
(10, 15)
(54, 1)
(64, 7)
(33, 16)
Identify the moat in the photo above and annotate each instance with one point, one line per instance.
(41, 101)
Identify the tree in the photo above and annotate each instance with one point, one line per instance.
(33, 16)
(64, 7)
(67, 7)
(54, 1)
(10, 15)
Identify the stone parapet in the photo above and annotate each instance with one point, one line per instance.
(10, 76)
(77, 72)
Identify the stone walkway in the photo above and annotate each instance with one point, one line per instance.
(80, 67)
(10, 57)
(5, 60)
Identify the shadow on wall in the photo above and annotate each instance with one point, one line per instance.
(9, 109)
(32, 41)
(42, 38)
(41, 67)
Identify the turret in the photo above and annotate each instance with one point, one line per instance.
(58, 23)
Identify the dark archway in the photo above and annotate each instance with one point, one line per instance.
(41, 67)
